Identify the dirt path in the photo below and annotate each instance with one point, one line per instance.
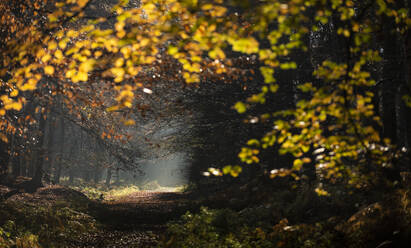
(136, 220)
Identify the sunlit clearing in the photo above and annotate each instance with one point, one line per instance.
(168, 171)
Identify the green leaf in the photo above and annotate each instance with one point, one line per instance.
(298, 164)
(240, 107)
(288, 66)
(253, 142)
(245, 45)
(226, 169)
(236, 170)
(267, 73)
(172, 50)
(274, 88)
(407, 100)
(305, 87)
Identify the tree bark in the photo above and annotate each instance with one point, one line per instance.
(117, 176)
(59, 166)
(392, 79)
(97, 175)
(71, 176)
(15, 160)
(50, 146)
(108, 177)
(38, 176)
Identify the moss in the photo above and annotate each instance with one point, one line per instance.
(28, 223)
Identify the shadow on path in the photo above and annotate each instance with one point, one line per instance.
(135, 220)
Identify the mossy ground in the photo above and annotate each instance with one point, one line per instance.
(247, 216)
(75, 216)
(50, 217)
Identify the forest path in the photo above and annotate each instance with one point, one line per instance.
(135, 220)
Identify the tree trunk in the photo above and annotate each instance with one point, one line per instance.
(117, 176)
(108, 177)
(30, 164)
(15, 157)
(50, 146)
(407, 58)
(16, 165)
(57, 172)
(4, 157)
(71, 154)
(38, 176)
(97, 175)
(87, 176)
(71, 176)
(392, 79)
(22, 164)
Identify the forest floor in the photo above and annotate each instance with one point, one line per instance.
(62, 217)
(135, 220)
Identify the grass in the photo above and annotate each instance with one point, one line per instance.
(96, 190)
(57, 215)
(30, 221)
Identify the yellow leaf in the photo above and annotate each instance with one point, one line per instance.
(148, 59)
(14, 93)
(82, 3)
(120, 34)
(133, 71)
(216, 53)
(75, 78)
(98, 54)
(321, 192)
(46, 58)
(49, 70)
(191, 78)
(240, 107)
(63, 44)
(87, 65)
(218, 11)
(128, 104)
(298, 163)
(58, 54)
(112, 108)
(72, 34)
(118, 74)
(82, 76)
(306, 160)
(15, 105)
(70, 73)
(172, 50)
(52, 17)
(129, 122)
(52, 45)
(144, 42)
(119, 62)
(207, 7)
(245, 45)
(236, 170)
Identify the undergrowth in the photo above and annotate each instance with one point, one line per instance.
(386, 221)
(26, 225)
(227, 228)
